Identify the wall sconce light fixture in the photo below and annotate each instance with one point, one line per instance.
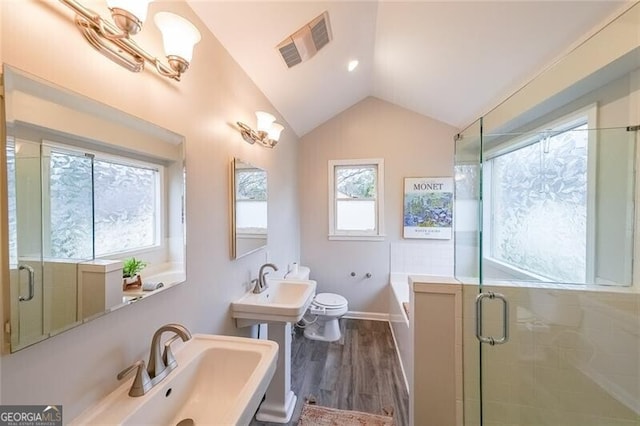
(113, 39)
(267, 133)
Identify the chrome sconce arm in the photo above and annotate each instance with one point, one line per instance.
(252, 136)
(268, 132)
(114, 41)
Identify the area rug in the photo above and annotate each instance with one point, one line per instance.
(315, 415)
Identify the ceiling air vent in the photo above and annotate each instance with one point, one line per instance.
(305, 42)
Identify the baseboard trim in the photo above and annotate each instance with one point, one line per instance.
(373, 316)
(404, 373)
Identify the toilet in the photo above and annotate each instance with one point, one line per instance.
(326, 309)
(321, 320)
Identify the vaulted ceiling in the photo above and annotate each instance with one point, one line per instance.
(450, 60)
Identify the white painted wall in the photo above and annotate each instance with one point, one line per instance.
(412, 145)
(78, 367)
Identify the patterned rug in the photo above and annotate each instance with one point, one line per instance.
(315, 415)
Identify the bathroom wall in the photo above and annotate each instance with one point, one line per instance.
(412, 145)
(78, 367)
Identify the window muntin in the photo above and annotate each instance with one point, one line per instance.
(356, 198)
(539, 205)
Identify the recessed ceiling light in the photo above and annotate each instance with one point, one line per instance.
(352, 65)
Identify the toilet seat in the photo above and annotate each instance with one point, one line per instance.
(329, 304)
(329, 300)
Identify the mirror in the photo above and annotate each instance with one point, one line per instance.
(249, 196)
(88, 187)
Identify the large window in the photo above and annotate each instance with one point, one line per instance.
(356, 199)
(99, 205)
(538, 198)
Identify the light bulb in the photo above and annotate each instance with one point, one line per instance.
(264, 121)
(178, 35)
(275, 130)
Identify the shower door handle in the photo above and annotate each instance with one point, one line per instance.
(31, 282)
(505, 319)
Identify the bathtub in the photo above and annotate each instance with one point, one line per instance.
(399, 320)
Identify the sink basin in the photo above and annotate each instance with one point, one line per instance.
(219, 380)
(282, 301)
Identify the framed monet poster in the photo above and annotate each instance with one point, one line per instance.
(428, 208)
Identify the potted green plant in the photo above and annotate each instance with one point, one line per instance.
(131, 273)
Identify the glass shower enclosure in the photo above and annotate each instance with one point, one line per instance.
(545, 234)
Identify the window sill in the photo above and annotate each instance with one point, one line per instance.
(357, 237)
(512, 271)
(521, 278)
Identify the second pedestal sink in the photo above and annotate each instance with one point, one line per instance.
(282, 303)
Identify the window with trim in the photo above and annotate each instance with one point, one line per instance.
(84, 195)
(97, 204)
(356, 199)
(540, 215)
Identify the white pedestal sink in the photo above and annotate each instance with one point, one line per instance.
(218, 380)
(282, 303)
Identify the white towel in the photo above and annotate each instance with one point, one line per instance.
(150, 286)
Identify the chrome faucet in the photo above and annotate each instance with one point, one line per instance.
(261, 284)
(160, 363)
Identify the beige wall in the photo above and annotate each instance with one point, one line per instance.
(412, 145)
(78, 367)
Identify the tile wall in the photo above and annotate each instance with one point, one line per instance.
(427, 257)
(573, 358)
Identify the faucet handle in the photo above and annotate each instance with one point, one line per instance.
(167, 355)
(142, 382)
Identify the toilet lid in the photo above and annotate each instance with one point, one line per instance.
(330, 300)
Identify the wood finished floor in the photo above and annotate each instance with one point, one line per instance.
(361, 371)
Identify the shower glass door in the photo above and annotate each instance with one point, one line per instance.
(467, 249)
(24, 185)
(558, 220)
(553, 232)
(50, 211)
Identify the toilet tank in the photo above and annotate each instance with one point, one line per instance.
(298, 273)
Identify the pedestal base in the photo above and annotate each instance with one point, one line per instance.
(275, 412)
(279, 401)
